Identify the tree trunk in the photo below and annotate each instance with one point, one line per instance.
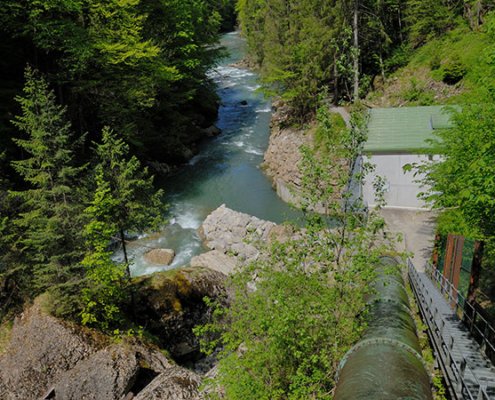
(336, 93)
(399, 14)
(382, 67)
(124, 248)
(355, 29)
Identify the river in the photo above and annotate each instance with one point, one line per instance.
(225, 171)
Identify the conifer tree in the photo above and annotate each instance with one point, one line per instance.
(48, 225)
(136, 205)
(105, 290)
(427, 18)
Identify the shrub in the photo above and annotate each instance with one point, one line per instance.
(453, 72)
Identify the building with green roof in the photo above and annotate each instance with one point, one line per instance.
(396, 137)
(404, 129)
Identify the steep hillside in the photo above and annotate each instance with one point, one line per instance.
(439, 72)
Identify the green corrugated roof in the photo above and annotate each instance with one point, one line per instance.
(404, 129)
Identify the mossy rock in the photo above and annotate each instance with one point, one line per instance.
(170, 304)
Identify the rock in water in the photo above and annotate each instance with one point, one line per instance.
(160, 256)
(235, 233)
(212, 131)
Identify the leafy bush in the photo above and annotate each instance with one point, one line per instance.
(453, 71)
(418, 94)
(399, 58)
(435, 62)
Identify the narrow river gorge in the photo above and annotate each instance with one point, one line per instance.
(225, 171)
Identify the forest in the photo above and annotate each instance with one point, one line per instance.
(91, 93)
(99, 97)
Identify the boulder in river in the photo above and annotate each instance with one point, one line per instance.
(160, 256)
(234, 233)
(212, 131)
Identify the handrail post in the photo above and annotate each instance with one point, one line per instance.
(449, 351)
(461, 374)
(484, 339)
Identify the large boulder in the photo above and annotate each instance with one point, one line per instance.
(41, 348)
(160, 256)
(215, 260)
(170, 304)
(174, 384)
(51, 359)
(234, 233)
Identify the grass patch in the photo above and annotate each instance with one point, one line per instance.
(5, 333)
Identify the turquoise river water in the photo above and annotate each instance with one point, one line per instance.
(226, 170)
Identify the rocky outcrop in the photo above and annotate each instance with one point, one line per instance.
(173, 384)
(40, 350)
(283, 156)
(160, 256)
(234, 233)
(235, 239)
(169, 304)
(52, 359)
(215, 260)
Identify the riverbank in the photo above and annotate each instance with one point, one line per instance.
(282, 157)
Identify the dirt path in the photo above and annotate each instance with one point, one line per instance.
(418, 230)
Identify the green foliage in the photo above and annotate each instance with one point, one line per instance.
(453, 71)
(418, 94)
(135, 65)
(462, 183)
(298, 309)
(135, 205)
(428, 18)
(307, 45)
(124, 199)
(47, 228)
(105, 291)
(463, 180)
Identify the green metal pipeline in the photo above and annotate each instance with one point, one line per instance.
(386, 364)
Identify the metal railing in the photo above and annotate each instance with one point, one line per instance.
(460, 376)
(481, 330)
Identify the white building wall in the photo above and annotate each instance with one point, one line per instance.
(401, 187)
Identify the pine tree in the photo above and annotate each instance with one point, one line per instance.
(137, 205)
(427, 18)
(48, 228)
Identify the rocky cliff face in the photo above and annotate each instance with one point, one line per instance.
(48, 358)
(282, 158)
